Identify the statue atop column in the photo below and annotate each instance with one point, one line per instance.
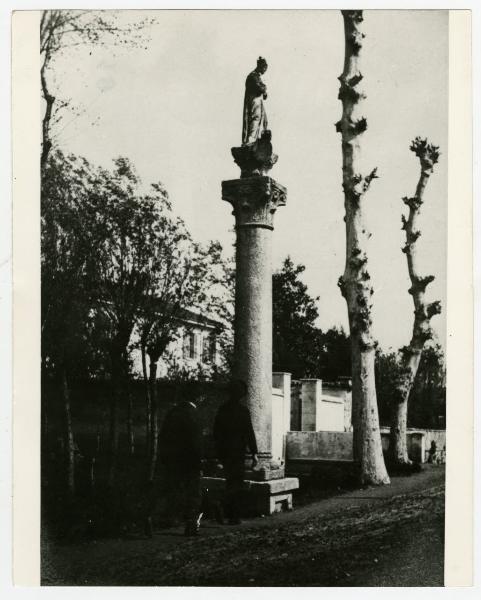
(255, 118)
(255, 198)
(255, 156)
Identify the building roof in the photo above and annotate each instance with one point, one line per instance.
(189, 316)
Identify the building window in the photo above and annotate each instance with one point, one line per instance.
(190, 346)
(208, 348)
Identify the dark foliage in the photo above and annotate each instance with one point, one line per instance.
(295, 336)
(334, 355)
(299, 346)
(427, 402)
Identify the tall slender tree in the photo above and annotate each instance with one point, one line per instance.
(179, 280)
(295, 340)
(66, 247)
(355, 283)
(410, 355)
(136, 267)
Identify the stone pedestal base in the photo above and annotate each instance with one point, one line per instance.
(260, 497)
(265, 473)
(257, 158)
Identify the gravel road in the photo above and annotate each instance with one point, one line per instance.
(389, 536)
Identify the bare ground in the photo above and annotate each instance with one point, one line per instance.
(388, 536)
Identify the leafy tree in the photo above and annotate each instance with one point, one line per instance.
(182, 276)
(123, 221)
(334, 354)
(116, 261)
(295, 336)
(427, 404)
(142, 272)
(213, 297)
(66, 249)
(388, 371)
(146, 272)
(220, 305)
(299, 347)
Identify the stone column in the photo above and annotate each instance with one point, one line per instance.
(255, 200)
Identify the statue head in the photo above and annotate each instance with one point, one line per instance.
(261, 65)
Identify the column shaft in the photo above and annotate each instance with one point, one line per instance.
(255, 200)
(253, 327)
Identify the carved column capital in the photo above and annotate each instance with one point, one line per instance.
(254, 199)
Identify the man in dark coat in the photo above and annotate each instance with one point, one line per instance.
(234, 435)
(180, 455)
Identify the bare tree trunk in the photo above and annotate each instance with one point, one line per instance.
(423, 311)
(398, 449)
(113, 436)
(98, 443)
(148, 403)
(130, 424)
(49, 100)
(44, 410)
(69, 445)
(154, 417)
(114, 424)
(355, 282)
(92, 475)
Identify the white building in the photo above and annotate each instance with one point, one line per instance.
(194, 349)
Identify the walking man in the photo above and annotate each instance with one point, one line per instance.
(180, 455)
(234, 435)
(433, 453)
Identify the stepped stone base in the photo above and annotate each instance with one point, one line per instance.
(260, 497)
(265, 473)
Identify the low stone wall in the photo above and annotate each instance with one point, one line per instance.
(419, 443)
(437, 435)
(321, 445)
(336, 445)
(90, 411)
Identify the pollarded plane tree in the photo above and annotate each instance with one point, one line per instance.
(355, 283)
(410, 355)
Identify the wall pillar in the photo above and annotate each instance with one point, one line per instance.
(281, 413)
(311, 398)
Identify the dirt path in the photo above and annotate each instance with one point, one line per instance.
(380, 536)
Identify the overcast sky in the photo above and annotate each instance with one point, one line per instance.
(175, 110)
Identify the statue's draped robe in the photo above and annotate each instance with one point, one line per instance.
(255, 118)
